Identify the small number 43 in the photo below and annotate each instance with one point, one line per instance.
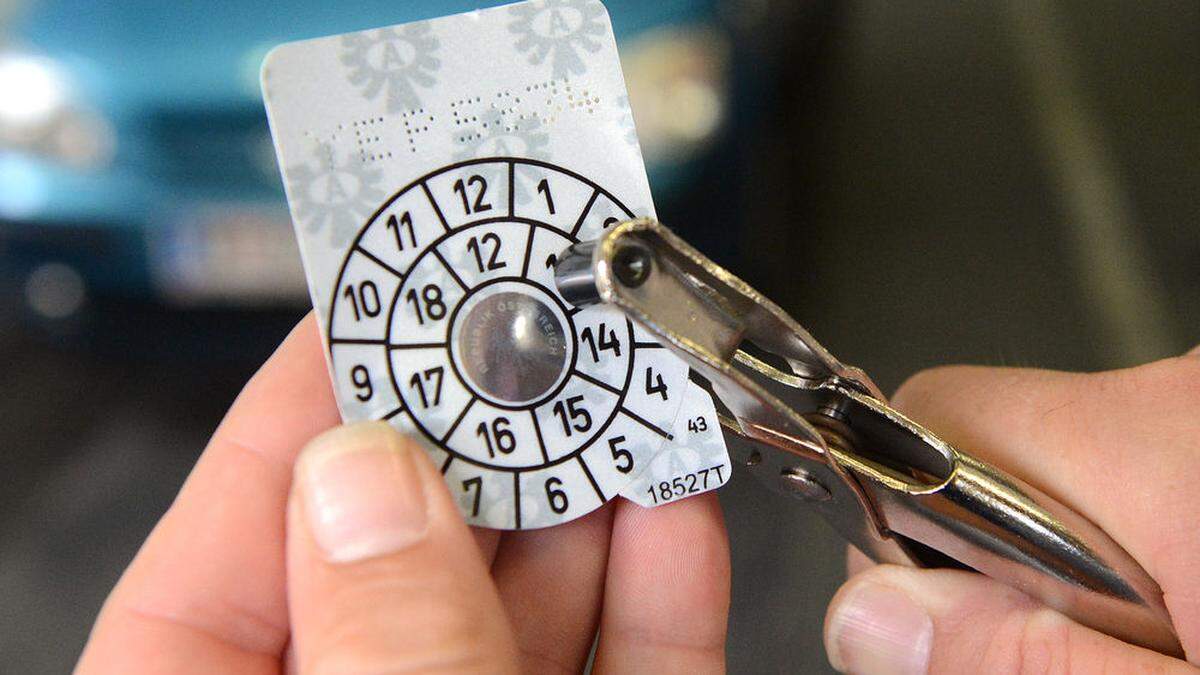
(697, 425)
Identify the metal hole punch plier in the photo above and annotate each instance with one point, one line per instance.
(819, 430)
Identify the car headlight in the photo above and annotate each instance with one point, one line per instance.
(677, 78)
(40, 115)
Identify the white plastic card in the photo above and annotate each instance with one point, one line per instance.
(435, 171)
(694, 461)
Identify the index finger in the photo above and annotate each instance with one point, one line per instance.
(666, 599)
(206, 592)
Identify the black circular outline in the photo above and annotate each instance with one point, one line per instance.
(531, 409)
(490, 220)
(448, 233)
(569, 370)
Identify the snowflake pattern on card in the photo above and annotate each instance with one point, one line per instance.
(393, 61)
(333, 196)
(559, 30)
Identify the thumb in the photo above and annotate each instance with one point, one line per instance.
(383, 574)
(898, 620)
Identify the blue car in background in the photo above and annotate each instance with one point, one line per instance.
(135, 159)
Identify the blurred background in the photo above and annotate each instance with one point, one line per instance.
(1009, 183)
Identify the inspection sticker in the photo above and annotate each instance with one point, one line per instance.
(435, 171)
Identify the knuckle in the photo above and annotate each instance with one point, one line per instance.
(1030, 642)
(1150, 408)
(542, 660)
(433, 626)
(458, 659)
(1175, 378)
(1044, 645)
(921, 388)
(1178, 377)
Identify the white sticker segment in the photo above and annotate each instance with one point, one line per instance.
(435, 172)
(695, 461)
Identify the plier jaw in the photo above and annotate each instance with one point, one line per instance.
(819, 430)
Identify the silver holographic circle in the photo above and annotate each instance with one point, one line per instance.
(514, 347)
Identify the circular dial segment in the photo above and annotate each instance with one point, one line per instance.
(445, 321)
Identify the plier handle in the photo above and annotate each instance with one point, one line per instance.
(819, 430)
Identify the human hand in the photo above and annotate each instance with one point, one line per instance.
(1121, 447)
(362, 564)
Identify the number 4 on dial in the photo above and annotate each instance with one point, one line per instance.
(655, 384)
